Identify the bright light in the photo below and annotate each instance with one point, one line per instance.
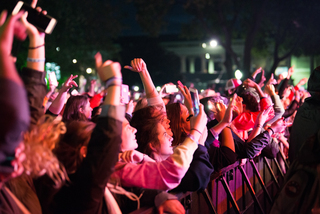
(158, 88)
(202, 90)
(207, 56)
(238, 74)
(48, 64)
(74, 61)
(213, 43)
(217, 80)
(136, 88)
(204, 45)
(89, 70)
(57, 48)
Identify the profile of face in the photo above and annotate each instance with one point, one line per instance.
(165, 122)
(87, 110)
(164, 146)
(239, 106)
(128, 137)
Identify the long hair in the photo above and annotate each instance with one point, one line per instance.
(174, 115)
(68, 150)
(72, 109)
(145, 120)
(39, 143)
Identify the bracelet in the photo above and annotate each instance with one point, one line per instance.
(271, 130)
(37, 46)
(113, 81)
(196, 131)
(193, 138)
(36, 60)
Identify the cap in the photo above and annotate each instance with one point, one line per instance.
(233, 83)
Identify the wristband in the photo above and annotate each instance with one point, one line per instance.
(113, 81)
(36, 60)
(193, 138)
(271, 130)
(37, 46)
(196, 131)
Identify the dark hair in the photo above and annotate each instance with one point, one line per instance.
(72, 109)
(68, 149)
(174, 115)
(145, 120)
(250, 101)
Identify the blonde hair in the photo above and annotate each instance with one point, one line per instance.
(39, 143)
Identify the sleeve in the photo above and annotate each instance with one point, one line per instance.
(15, 117)
(198, 174)
(292, 108)
(221, 157)
(103, 148)
(252, 148)
(278, 109)
(36, 91)
(162, 175)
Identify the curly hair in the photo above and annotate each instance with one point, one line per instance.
(145, 120)
(39, 143)
(72, 109)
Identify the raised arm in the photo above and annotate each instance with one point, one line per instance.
(58, 103)
(153, 97)
(15, 112)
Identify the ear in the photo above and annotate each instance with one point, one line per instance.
(81, 110)
(83, 151)
(152, 147)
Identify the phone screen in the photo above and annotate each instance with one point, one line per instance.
(124, 94)
(195, 100)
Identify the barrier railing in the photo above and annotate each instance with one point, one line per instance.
(248, 188)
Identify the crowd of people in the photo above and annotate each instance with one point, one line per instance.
(92, 153)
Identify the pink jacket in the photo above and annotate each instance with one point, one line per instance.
(164, 175)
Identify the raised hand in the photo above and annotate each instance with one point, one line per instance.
(290, 72)
(32, 31)
(187, 97)
(131, 156)
(272, 81)
(269, 89)
(8, 29)
(249, 83)
(69, 83)
(137, 65)
(262, 117)
(107, 69)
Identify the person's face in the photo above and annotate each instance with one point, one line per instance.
(184, 114)
(239, 106)
(165, 122)
(128, 137)
(87, 110)
(165, 141)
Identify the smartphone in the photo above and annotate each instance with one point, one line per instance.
(124, 94)
(43, 23)
(53, 79)
(171, 89)
(195, 100)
